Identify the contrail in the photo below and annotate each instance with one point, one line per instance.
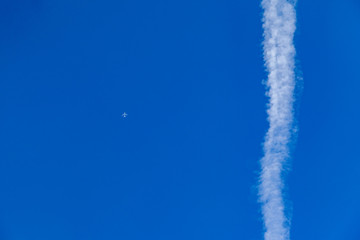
(279, 52)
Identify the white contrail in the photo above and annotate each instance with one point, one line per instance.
(279, 52)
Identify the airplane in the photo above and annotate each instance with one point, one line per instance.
(124, 115)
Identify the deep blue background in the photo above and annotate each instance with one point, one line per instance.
(184, 164)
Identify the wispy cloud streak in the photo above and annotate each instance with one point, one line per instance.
(279, 52)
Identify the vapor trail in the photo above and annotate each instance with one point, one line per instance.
(279, 52)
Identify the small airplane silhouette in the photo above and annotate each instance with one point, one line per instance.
(124, 115)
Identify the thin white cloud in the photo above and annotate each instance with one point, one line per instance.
(279, 26)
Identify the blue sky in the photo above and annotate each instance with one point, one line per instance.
(184, 164)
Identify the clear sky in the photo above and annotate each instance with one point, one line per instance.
(184, 163)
